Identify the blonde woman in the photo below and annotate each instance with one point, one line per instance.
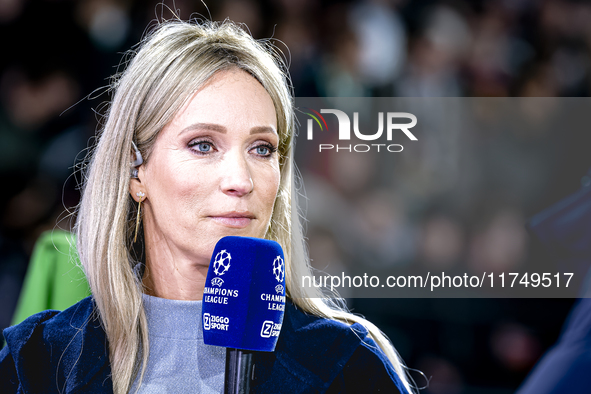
(204, 114)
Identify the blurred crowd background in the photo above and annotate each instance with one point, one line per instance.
(57, 56)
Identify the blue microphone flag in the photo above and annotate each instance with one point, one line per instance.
(244, 294)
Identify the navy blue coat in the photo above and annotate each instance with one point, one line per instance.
(67, 352)
(565, 368)
(564, 231)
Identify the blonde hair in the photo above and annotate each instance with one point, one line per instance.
(172, 62)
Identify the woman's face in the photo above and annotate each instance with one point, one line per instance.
(213, 170)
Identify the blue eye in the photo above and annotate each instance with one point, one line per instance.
(204, 147)
(263, 150)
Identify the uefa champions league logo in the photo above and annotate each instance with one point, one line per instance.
(279, 269)
(222, 262)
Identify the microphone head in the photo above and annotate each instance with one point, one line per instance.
(244, 294)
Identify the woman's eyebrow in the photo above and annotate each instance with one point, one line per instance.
(221, 129)
(204, 126)
(263, 129)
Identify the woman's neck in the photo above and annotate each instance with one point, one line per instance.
(174, 277)
(174, 284)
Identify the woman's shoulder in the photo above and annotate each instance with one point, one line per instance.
(58, 348)
(51, 327)
(316, 354)
(318, 333)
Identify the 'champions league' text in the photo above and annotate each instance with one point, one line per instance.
(274, 299)
(217, 295)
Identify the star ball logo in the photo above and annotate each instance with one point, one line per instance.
(222, 262)
(279, 269)
(345, 130)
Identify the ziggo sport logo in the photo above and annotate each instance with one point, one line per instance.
(345, 130)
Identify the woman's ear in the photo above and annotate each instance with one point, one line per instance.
(136, 173)
(136, 186)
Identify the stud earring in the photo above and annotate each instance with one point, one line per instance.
(141, 195)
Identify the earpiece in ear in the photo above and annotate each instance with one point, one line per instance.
(137, 162)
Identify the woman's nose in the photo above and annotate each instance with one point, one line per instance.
(236, 176)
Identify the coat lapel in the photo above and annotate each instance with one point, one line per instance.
(66, 352)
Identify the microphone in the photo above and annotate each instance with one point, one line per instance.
(243, 304)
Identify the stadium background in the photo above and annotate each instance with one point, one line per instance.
(58, 53)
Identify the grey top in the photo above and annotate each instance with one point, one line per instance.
(179, 361)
